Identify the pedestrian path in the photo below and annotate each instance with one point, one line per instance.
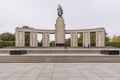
(59, 71)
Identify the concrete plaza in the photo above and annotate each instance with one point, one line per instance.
(59, 71)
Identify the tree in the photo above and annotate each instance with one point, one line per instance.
(116, 39)
(80, 39)
(93, 39)
(7, 36)
(52, 43)
(26, 27)
(27, 38)
(107, 38)
(68, 41)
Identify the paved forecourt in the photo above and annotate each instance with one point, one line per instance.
(59, 71)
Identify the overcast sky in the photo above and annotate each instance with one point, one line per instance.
(78, 14)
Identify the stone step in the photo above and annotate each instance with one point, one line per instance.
(58, 50)
(59, 58)
(54, 51)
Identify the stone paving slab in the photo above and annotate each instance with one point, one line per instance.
(59, 71)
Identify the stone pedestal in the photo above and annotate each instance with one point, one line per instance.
(60, 32)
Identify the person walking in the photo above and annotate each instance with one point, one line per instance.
(65, 45)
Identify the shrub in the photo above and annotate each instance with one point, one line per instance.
(40, 44)
(93, 44)
(6, 43)
(80, 44)
(113, 44)
(27, 44)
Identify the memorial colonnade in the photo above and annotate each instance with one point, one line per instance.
(20, 37)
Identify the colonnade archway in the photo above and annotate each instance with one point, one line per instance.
(80, 39)
(85, 35)
(52, 40)
(68, 39)
(92, 39)
(40, 39)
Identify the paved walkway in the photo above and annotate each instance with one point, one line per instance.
(59, 55)
(59, 48)
(59, 71)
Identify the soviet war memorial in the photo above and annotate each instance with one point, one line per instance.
(88, 53)
(59, 34)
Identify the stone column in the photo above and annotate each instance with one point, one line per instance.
(20, 39)
(86, 38)
(103, 39)
(46, 39)
(33, 39)
(74, 41)
(17, 38)
(100, 38)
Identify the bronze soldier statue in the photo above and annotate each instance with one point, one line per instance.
(60, 11)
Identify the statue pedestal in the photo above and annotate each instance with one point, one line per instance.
(60, 32)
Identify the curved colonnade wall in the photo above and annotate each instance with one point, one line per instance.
(20, 36)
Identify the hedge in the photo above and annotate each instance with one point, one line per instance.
(113, 44)
(12, 43)
(52, 44)
(80, 44)
(27, 44)
(6, 43)
(93, 44)
(39, 44)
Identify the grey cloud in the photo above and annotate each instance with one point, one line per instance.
(78, 14)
